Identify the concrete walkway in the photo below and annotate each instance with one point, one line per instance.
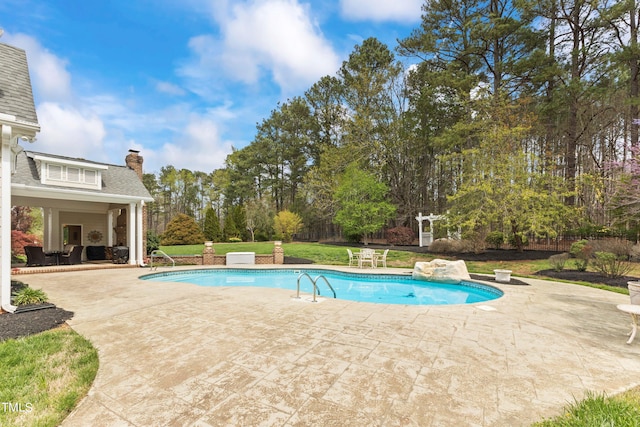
(182, 355)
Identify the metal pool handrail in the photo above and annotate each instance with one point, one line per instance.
(162, 255)
(316, 291)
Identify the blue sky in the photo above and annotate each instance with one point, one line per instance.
(182, 81)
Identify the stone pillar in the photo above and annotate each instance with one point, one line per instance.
(208, 254)
(278, 253)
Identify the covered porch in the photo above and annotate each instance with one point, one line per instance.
(97, 226)
(96, 208)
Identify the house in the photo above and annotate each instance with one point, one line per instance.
(84, 202)
(95, 205)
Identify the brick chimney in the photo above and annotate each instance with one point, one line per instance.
(134, 161)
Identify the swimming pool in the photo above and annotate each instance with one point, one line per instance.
(376, 288)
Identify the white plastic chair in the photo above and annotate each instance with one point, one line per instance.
(353, 258)
(367, 256)
(382, 258)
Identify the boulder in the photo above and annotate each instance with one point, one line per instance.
(440, 270)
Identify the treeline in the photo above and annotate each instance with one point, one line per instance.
(518, 117)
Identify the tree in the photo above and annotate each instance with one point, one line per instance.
(500, 189)
(182, 230)
(286, 224)
(361, 197)
(366, 78)
(21, 218)
(212, 231)
(260, 213)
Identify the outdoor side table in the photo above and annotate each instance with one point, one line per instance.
(634, 311)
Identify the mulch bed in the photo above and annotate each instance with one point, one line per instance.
(23, 323)
(586, 276)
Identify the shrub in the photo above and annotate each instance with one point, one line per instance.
(400, 236)
(495, 239)
(286, 224)
(153, 242)
(621, 248)
(19, 240)
(582, 252)
(558, 261)
(27, 295)
(234, 240)
(444, 246)
(182, 230)
(611, 264)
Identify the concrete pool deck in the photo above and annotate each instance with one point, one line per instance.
(183, 355)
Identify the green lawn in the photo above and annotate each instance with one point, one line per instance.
(318, 253)
(44, 376)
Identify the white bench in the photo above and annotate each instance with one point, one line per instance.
(241, 258)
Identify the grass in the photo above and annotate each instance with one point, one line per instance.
(318, 253)
(598, 410)
(44, 376)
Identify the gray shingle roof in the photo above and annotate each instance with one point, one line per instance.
(116, 180)
(16, 96)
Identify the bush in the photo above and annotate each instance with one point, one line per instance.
(400, 236)
(495, 239)
(611, 264)
(19, 240)
(582, 252)
(286, 224)
(27, 295)
(153, 242)
(444, 246)
(182, 230)
(558, 261)
(621, 248)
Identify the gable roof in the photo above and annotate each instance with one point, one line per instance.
(16, 96)
(119, 183)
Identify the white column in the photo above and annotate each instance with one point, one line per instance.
(5, 220)
(110, 215)
(139, 249)
(48, 229)
(419, 218)
(131, 233)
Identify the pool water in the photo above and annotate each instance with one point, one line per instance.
(376, 288)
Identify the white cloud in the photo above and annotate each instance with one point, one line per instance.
(200, 147)
(69, 132)
(169, 88)
(276, 37)
(49, 76)
(382, 10)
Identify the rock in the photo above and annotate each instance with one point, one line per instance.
(440, 270)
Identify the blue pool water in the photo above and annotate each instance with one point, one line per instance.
(376, 288)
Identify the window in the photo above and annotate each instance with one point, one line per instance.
(70, 173)
(54, 172)
(73, 174)
(90, 177)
